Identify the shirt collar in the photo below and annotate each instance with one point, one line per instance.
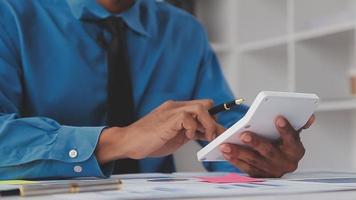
(91, 10)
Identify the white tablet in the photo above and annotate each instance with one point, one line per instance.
(260, 119)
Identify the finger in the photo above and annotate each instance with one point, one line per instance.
(200, 127)
(263, 146)
(178, 105)
(206, 103)
(310, 122)
(253, 158)
(201, 135)
(203, 117)
(182, 122)
(288, 134)
(170, 104)
(245, 167)
(291, 144)
(190, 125)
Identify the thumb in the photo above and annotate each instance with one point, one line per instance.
(218, 131)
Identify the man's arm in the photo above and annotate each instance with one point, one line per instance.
(38, 147)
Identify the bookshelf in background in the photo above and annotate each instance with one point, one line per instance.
(296, 46)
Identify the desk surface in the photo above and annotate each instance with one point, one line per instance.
(314, 196)
(129, 183)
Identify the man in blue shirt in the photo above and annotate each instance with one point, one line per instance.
(53, 97)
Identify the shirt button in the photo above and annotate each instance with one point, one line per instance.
(73, 153)
(78, 169)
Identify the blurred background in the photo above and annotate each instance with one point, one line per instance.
(289, 45)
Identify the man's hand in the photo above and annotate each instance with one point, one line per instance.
(159, 133)
(265, 158)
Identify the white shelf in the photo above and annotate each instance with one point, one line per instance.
(314, 14)
(264, 44)
(262, 70)
(260, 20)
(273, 42)
(294, 45)
(324, 31)
(337, 105)
(322, 65)
(221, 47)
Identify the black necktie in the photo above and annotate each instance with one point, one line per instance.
(120, 101)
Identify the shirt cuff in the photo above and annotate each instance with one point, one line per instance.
(75, 146)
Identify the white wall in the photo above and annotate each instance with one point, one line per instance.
(290, 45)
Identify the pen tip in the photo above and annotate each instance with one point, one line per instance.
(239, 101)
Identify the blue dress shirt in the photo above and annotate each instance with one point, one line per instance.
(53, 78)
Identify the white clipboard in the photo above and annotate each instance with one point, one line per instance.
(260, 119)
